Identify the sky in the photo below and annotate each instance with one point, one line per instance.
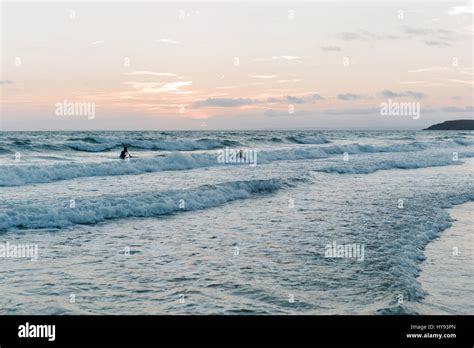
(235, 65)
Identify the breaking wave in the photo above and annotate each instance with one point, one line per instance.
(16, 175)
(146, 204)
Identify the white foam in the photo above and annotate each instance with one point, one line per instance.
(414, 162)
(146, 204)
(15, 175)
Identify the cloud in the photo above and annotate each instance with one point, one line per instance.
(456, 109)
(223, 102)
(432, 68)
(371, 36)
(417, 31)
(361, 111)
(276, 58)
(264, 76)
(331, 48)
(237, 102)
(430, 37)
(5, 82)
(457, 10)
(350, 96)
(364, 35)
(389, 94)
(168, 87)
(467, 82)
(348, 36)
(436, 43)
(287, 57)
(433, 37)
(304, 99)
(149, 73)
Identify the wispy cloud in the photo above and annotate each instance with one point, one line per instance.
(237, 102)
(432, 37)
(417, 31)
(411, 94)
(160, 87)
(331, 48)
(284, 112)
(287, 57)
(436, 43)
(276, 58)
(350, 96)
(467, 82)
(335, 112)
(303, 99)
(431, 68)
(223, 102)
(463, 9)
(457, 109)
(264, 76)
(291, 80)
(364, 35)
(149, 73)
(348, 36)
(169, 87)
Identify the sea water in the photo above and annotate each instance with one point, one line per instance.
(176, 231)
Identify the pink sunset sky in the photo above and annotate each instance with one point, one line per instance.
(221, 65)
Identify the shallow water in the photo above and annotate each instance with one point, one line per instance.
(447, 274)
(185, 234)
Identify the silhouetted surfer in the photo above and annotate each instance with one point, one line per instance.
(124, 154)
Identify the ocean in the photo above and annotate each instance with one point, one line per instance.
(227, 222)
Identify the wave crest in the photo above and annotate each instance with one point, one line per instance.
(147, 204)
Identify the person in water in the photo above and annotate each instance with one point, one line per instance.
(124, 154)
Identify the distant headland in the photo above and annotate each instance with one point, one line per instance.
(453, 125)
